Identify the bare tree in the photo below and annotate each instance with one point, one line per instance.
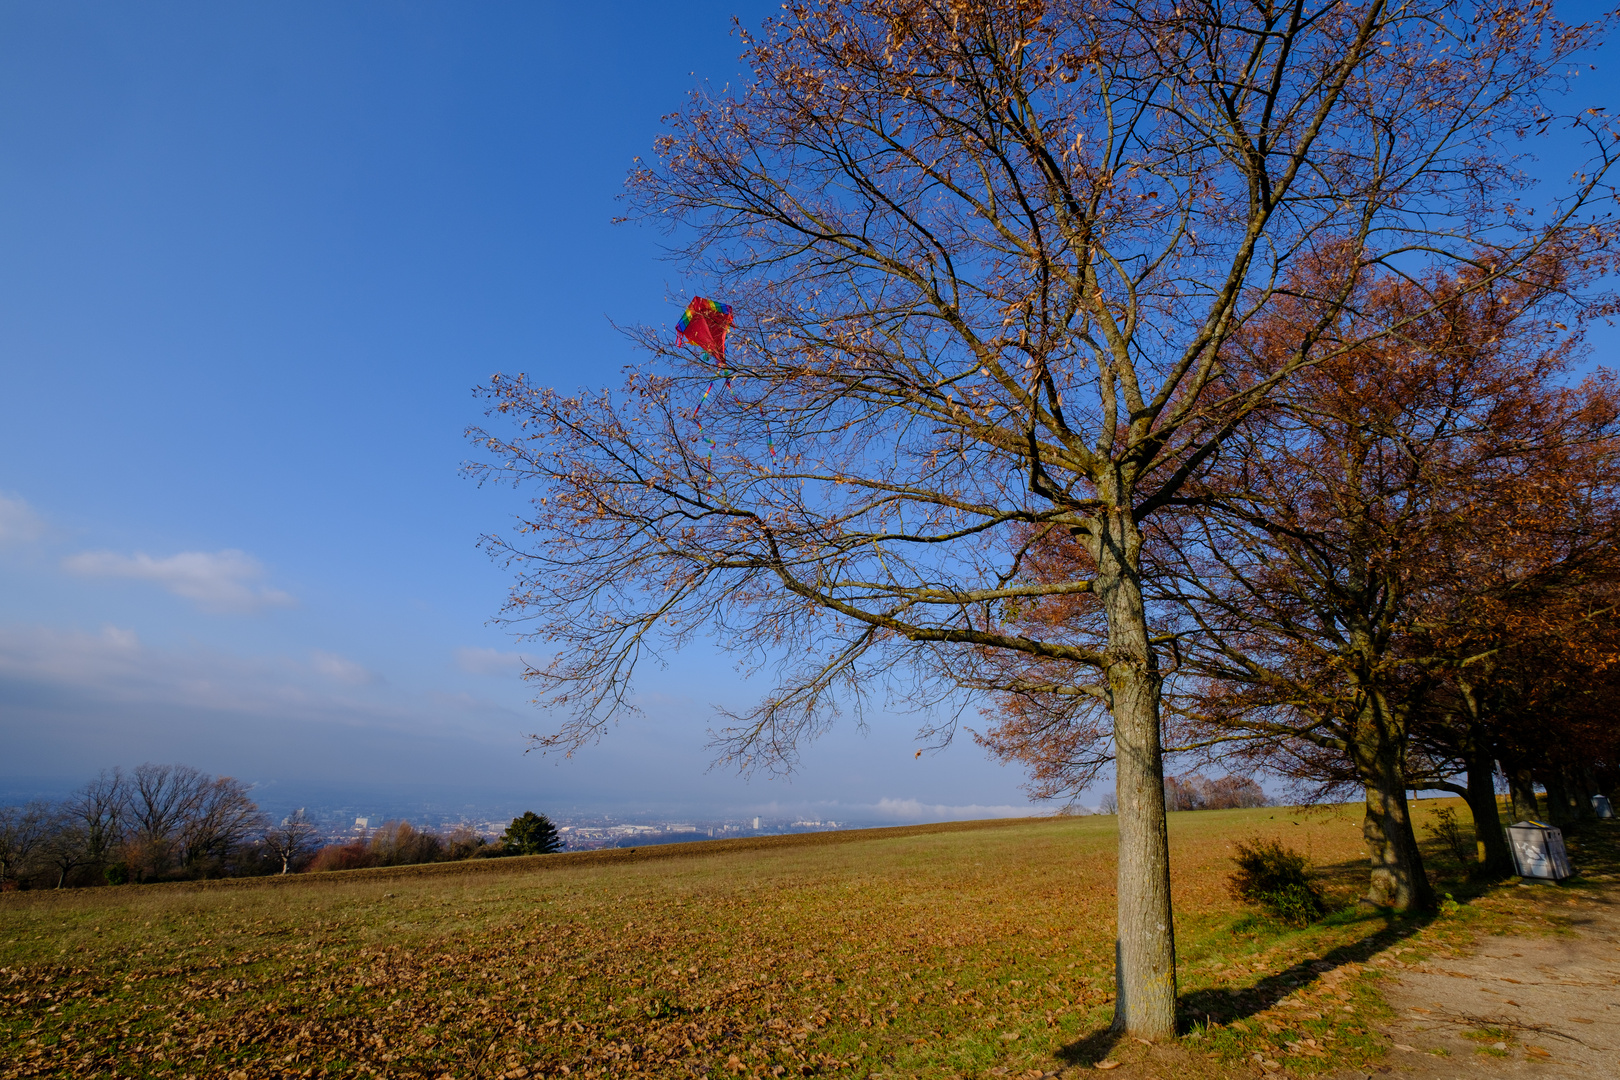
(22, 830)
(291, 840)
(1194, 791)
(986, 258)
(221, 817)
(64, 848)
(184, 819)
(161, 799)
(98, 811)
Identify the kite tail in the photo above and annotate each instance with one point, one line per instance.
(763, 415)
(699, 409)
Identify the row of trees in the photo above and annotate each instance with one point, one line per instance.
(1195, 791)
(1402, 573)
(153, 823)
(173, 822)
(397, 843)
(1152, 374)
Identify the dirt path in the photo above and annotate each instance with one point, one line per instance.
(1518, 1006)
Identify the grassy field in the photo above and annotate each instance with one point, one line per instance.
(961, 952)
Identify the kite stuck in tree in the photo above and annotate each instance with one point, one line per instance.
(705, 325)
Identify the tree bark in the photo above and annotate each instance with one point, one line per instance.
(1490, 842)
(1558, 808)
(1584, 779)
(1145, 951)
(1522, 787)
(1398, 878)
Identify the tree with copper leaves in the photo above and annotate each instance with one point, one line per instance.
(1397, 521)
(1350, 564)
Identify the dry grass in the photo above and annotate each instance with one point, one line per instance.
(930, 953)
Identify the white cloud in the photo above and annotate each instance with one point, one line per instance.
(72, 702)
(216, 581)
(112, 670)
(120, 641)
(18, 521)
(490, 662)
(341, 669)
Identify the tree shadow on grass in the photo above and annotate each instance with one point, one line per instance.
(1216, 1005)
(1090, 1049)
(1212, 1005)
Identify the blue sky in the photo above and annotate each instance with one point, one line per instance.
(253, 258)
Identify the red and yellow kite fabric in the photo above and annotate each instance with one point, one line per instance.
(705, 325)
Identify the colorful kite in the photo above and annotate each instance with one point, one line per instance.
(705, 324)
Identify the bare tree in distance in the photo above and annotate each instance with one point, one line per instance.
(64, 848)
(22, 830)
(181, 818)
(986, 258)
(295, 837)
(98, 811)
(160, 800)
(223, 816)
(1194, 791)
(398, 843)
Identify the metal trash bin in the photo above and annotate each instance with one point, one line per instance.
(1538, 851)
(1600, 804)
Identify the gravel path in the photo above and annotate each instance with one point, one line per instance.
(1519, 1006)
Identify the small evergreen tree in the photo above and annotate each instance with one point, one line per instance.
(531, 834)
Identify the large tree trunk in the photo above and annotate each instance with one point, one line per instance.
(1558, 808)
(1398, 879)
(1489, 841)
(1584, 779)
(1523, 789)
(1145, 953)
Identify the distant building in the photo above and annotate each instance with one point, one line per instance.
(756, 824)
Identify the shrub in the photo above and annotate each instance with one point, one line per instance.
(396, 843)
(399, 843)
(1276, 878)
(463, 843)
(1448, 831)
(350, 856)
